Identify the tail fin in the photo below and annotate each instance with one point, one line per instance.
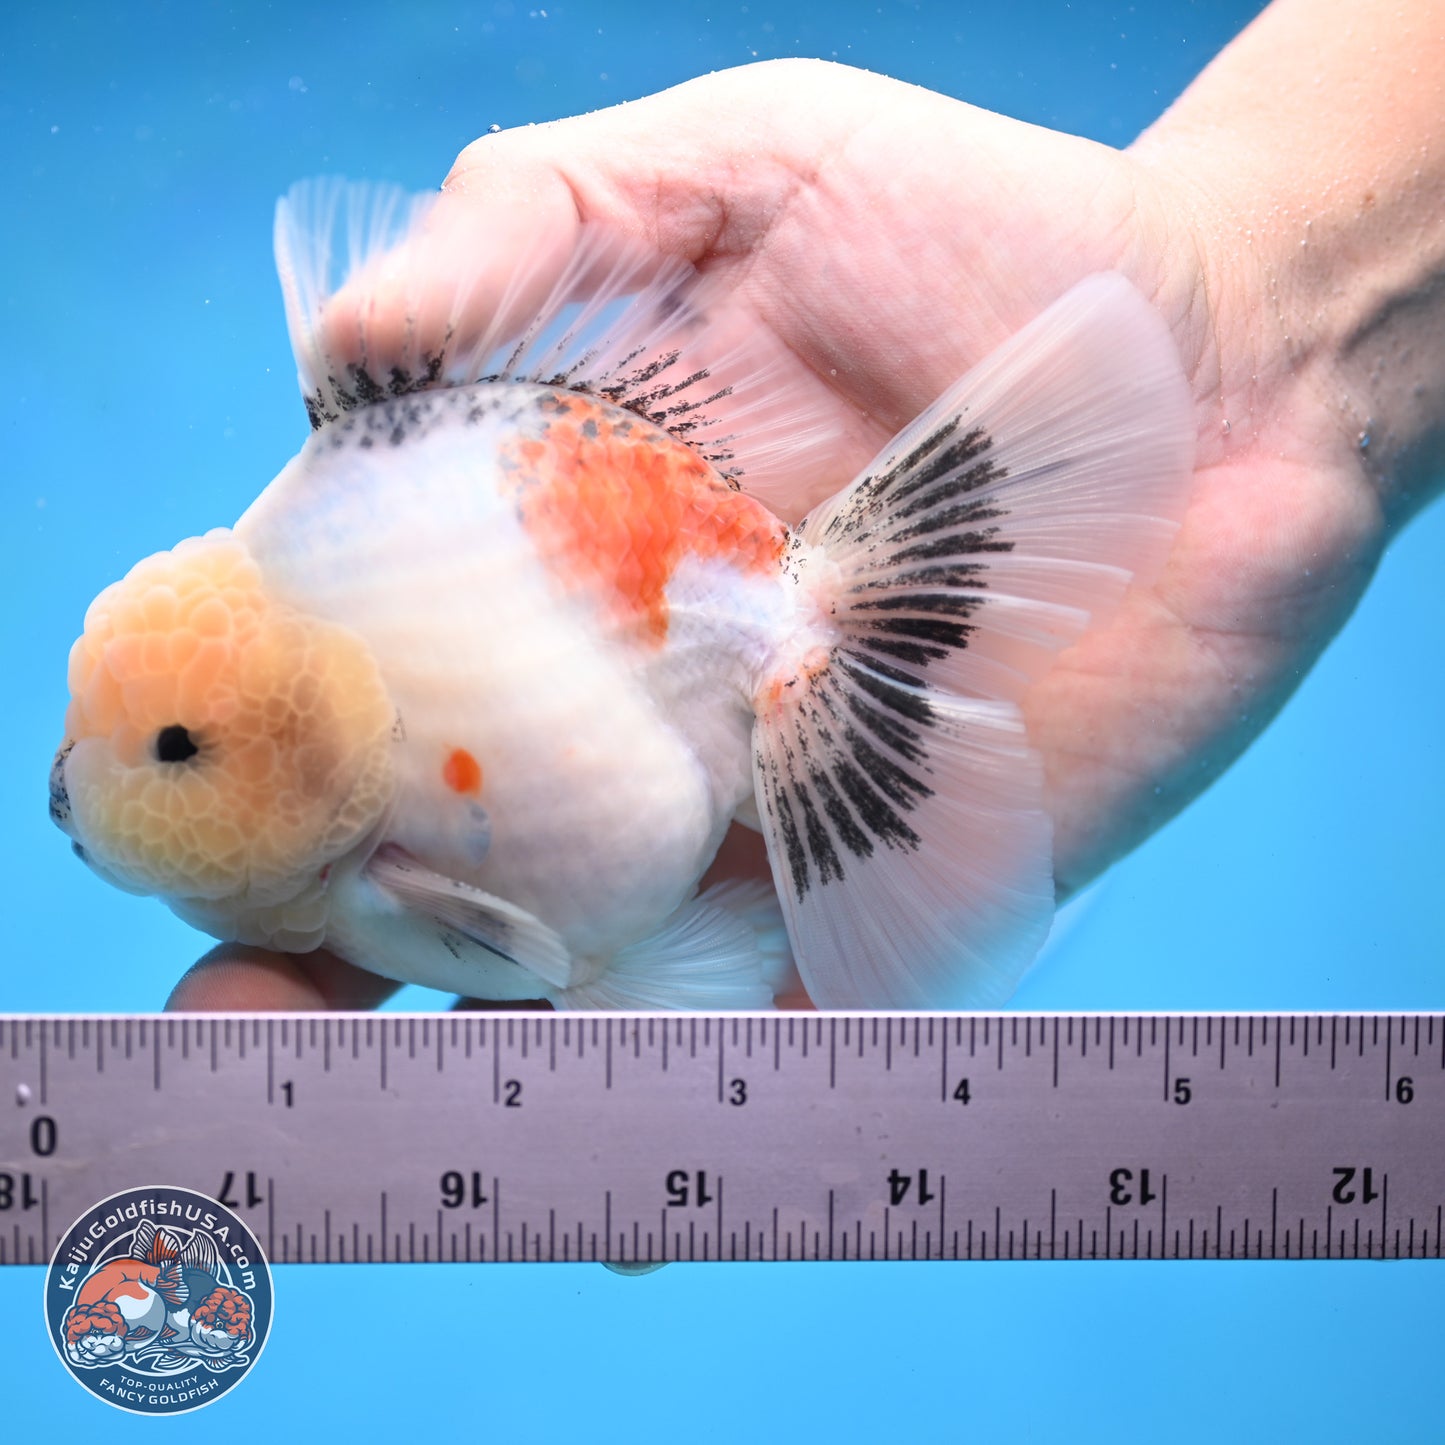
(171, 1284)
(900, 799)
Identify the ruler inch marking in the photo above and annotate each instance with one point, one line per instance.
(397, 1086)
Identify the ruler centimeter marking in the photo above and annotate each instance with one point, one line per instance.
(346, 1138)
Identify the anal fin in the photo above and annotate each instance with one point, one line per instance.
(723, 950)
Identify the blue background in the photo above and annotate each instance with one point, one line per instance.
(149, 394)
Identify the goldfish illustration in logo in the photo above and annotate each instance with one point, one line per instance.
(472, 692)
(159, 1304)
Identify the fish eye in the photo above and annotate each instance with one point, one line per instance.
(174, 744)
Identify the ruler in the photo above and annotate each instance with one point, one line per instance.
(388, 1138)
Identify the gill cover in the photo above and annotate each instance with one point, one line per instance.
(221, 748)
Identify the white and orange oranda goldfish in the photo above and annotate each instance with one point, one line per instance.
(472, 691)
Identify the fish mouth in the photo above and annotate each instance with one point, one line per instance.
(59, 795)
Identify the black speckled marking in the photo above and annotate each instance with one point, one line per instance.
(680, 405)
(915, 639)
(852, 761)
(332, 401)
(879, 804)
(59, 796)
(895, 688)
(821, 852)
(851, 834)
(395, 422)
(778, 805)
(861, 767)
(942, 468)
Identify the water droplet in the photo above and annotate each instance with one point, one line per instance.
(22, 1093)
(493, 129)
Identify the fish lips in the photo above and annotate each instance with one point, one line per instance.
(60, 813)
(63, 816)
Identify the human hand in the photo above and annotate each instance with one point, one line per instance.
(889, 238)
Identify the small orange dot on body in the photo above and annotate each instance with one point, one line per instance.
(462, 773)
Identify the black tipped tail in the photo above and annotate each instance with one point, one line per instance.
(901, 801)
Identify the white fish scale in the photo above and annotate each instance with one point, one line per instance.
(725, 632)
(602, 816)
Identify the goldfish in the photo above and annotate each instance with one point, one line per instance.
(163, 1298)
(473, 690)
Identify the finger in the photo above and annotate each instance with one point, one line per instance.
(701, 170)
(502, 1006)
(462, 275)
(507, 234)
(883, 262)
(232, 977)
(692, 172)
(796, 1001)
(743, 854)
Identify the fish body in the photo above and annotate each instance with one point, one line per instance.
(474, 689)
(163, 1297)
(571, 613)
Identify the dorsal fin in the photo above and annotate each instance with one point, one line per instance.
(143, 1240)
(592, 311)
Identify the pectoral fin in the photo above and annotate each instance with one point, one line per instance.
(498, 926)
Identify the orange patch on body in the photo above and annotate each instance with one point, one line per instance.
(610, 498)
(462, 773)
(776, 689)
